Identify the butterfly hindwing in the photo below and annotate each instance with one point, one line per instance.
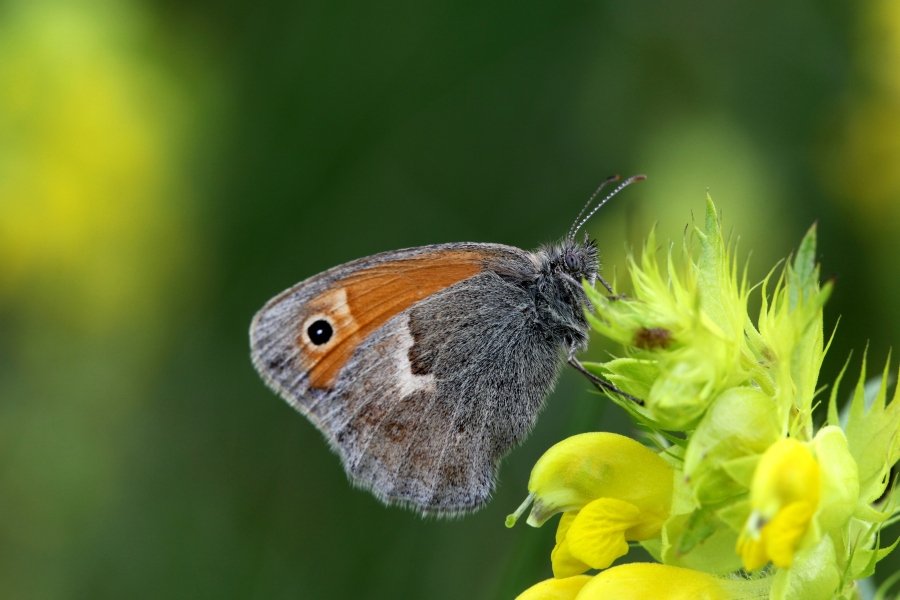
(433, 370)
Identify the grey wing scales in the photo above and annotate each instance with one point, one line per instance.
(473, 376)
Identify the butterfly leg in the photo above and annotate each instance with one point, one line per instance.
(575, 282)
(600, 384)
(612, 294)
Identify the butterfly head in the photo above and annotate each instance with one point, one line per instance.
(559, 296)
(576, 261)
(573, 262)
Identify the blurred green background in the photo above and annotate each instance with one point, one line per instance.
(166, 167)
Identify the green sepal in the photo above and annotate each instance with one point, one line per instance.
(813, 576)
(618, 372)
(740, 423)
(709, 266)
(867, 512)
(700, 541)
(864, 560)
(742, 469)
(697, 527)
(631, 375)
(735, 514)
(653, 548)
(840, 480)
(803, 279)
(872, 435)
(833, 414)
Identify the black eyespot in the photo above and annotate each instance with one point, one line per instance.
(572, 261)
(319, 332)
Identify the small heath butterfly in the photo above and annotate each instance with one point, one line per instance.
(424, 367)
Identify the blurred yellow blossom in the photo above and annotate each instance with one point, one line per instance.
(98, 127)
(92, 193)
(863, 167)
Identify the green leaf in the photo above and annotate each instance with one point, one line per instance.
(864, 560)
(672, 439)
(872, 435)
(833, 415)
(803, 279)
(711, 269)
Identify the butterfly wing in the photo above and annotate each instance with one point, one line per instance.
(434, 369)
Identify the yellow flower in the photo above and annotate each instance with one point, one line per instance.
(93, 148)
(784, 496)
(555, 589)
(612, 490)
(752, 481)
(639, 581)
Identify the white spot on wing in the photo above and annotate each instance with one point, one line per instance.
(407, 381)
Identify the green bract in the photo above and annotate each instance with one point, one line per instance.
(742, 478)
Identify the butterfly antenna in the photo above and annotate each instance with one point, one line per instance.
(622, 186)
(603, 184)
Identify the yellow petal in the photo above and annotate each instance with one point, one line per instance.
(777, 540)
(784, 494)
(752, 551)
(597, 534)
(555, 589)
(787, 473)
(783, 533)
(565, 521)
(588, 466)
(563, 563)
(642, 581)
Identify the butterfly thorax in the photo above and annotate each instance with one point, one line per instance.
(559, 298)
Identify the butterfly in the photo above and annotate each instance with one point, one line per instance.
(423, 367)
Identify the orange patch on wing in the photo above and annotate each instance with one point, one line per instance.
(367, 298)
